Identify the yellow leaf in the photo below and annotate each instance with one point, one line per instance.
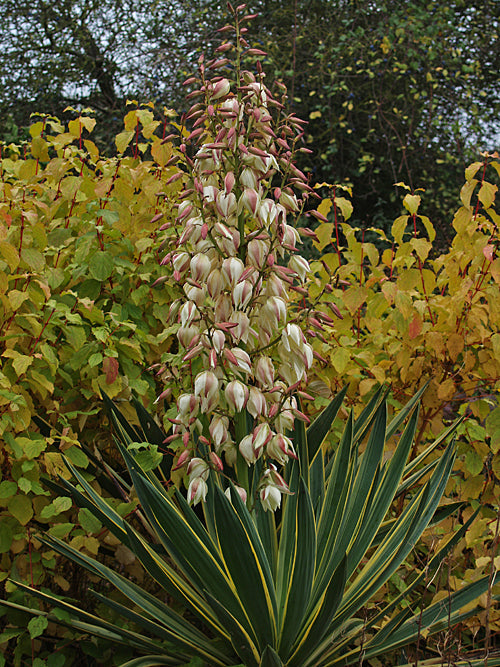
(446, 390)
(408, 279)
(345, 207)
(487, 194)
(130, 120)
(123, 139)
(421, 246)
(398, 228)
(88, 123)
(404, 304)
(387, 257)
(315, 114)
(495, 344)
(92, 149)
(340, 359)
(17, 298)
(324, 234)
(365, 385)
(325, 207)
(40, 149)
(354, 298)
(462, 218)
(411, 203)
(161, 152)
(9, 254)
(471, 170)
(389, 290)
(455, 345)
(466, 192)
(429, 228)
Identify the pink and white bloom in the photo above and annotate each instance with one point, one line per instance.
(280, 448)
(270, 498)
(198, 468)
(231, 270)
(206, 387)
(197, 491)
(236, 395)
(264, 372)
(257, 404)
(239, 490)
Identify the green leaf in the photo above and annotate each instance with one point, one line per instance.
(58, 505)
(6, 537)
(88, 521)
(270, 658)
(37, 626)
(7, 488)
(33, 258)
(295, 597)
(77, 456)
(320, 427)
(247, 564)
(21, 508)
(101, 265)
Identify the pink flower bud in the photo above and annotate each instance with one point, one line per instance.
(262, 434)
(226, 204)
(180, 261)
(292, 337)
(195, 294)
(187, 405)
(280, 448)
(216, 461)
(252, 445)
(182, 460)
(186, 336)
(187, 313)
(229, 182)
(268, 212)
(221, 89)
(275, 286)
(242, 329)
(289, 202)
(223, 308)
(218, 340)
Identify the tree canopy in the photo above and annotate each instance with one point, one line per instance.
(393, 91)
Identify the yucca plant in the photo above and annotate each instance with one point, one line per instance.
(257, 588)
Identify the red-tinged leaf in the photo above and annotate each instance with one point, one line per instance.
(110, 367)
(489, 252)
(415, 327)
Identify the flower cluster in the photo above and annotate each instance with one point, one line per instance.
(234, 251)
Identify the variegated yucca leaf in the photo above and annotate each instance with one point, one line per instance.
(288, 589)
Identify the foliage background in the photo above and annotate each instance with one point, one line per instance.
(77, 238)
